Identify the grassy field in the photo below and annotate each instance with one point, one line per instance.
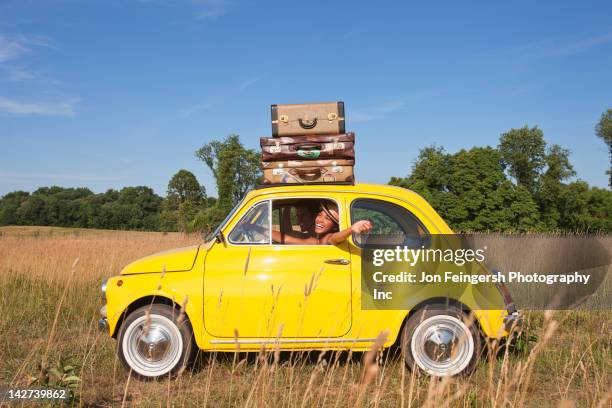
(50, 280)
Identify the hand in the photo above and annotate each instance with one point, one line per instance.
(361, 227)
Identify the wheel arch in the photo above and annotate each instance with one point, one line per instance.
(146, 301)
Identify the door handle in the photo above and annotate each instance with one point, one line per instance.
(337, 261)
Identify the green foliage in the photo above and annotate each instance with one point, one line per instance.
(523, 154)
(185, 198)
(184, 186)
(471, 191)
(9, 205)
(604, 131)
(585, 209)
(524, 342)
(207, 220)
(62, 375)
(131, 208)
(551, 187)
(235, 168)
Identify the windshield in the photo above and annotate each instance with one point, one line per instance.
(213, 234)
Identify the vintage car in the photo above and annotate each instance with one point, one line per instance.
(239, 289)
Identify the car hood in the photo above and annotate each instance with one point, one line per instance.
(174, 260)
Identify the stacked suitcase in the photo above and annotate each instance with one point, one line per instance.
(309, 145)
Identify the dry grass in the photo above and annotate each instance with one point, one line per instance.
(48, 312)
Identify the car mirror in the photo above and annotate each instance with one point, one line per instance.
(220, 238)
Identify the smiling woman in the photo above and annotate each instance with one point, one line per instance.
(304, 222)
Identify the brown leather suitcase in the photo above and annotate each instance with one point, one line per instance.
(308, 119)
(310, 147)
(308, 171)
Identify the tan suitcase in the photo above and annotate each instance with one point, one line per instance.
(308, 171)
(308, 119)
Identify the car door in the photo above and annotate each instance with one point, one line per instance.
(254, 288)
(393, 225)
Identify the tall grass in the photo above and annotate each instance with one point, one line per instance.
(48, 314)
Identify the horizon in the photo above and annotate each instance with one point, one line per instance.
(122, 93)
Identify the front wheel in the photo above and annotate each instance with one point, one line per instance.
(154, 342)
(441, 342)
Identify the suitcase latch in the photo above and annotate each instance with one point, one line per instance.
(276, 148)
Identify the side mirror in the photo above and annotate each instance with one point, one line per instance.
(220, 238)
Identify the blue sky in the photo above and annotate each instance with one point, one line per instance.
(106, 94)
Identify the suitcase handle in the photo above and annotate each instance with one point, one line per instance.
(309, 150)
(308, 146)
(308, 173)
(307, 124)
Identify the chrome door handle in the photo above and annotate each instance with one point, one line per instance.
(338, 261)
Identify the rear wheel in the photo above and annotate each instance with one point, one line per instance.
(441, 342)
(153, 342)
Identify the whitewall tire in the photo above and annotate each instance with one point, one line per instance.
(440, 341)
(153, 343)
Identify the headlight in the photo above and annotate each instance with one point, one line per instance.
(104, 290)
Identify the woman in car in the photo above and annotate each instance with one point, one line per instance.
(326, 229)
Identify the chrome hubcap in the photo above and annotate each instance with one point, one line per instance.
(442, 345)
(439, 341)
(152, 346)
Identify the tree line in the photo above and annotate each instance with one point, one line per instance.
(186, 206)
(522, 184)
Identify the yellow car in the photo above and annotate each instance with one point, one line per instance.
(245, 288)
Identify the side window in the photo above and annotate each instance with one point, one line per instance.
(294, 220)
(254, 227)
(392, 225)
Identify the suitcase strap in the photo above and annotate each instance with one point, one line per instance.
(308, 173)
(307, 122)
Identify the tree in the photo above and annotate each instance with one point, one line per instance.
(185, 198)
(235, 168)
(523, 155)
(599, 204)
(137, 208)
(558, 169)
(604, 131)
(184, 186)
(134, 208)
(32, 211)
(470, 190)
(9, 204)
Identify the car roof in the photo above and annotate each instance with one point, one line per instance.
(381, 190)
(357, 188)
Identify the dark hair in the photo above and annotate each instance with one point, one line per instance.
(313, 206)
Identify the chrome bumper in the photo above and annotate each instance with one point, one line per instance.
(513, 321)
(103, 322)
